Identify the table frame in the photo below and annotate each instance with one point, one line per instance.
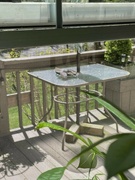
(94, 73)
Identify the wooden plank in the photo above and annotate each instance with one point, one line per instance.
(45, 104)
(92, 129)
(101, 170)
(19, 102)
(35, 155)
(4, 118)
(48, 60)
(34, 140)
(32, 100)
(76, 147)
(49, 161)
(19, 160)
(29, 150)
(12, 99)
(53, 147)
(69, 137)
(9, 171)
(33, 152)
(2, 165)
(131, 173)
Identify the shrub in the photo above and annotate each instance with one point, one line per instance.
(116, 49)
(14, 53)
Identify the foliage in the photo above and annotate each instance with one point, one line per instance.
(119, 1)
(121, 152)
(90, 159)
(115, 49)
(14, 53)
(119, 157)
(53, 174)
(85, 47)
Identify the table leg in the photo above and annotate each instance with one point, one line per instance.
(78, 105)
(111, 116)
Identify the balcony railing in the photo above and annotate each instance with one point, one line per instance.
(30, 95)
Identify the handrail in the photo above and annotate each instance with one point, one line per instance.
(49, 60)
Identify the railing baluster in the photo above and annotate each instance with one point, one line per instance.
(19, 99)
(44, 89)
(4, 117)
(32, 100)
(96, 88)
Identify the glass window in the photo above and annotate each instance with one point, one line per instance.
(90, 12)
(74, 12)
(27, 13)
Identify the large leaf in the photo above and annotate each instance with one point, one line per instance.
(53, 174)
(112, 108)
(88, 159)
(120, 155)
(121, 176)
(96, 176)
(95, 149)
(116, 136)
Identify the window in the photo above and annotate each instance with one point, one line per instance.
(52, 22)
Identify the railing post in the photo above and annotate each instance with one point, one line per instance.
(19, 99)
(4, 118)
(32, 100)
(44, 85)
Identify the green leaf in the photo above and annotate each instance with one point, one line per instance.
(96, 176)
(121, 176)
(88, 159)
(120, 155)
(95, 149)
(116, 136)
(112, 108)
(56, 127)
(53, 174)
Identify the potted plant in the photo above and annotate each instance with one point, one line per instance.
(119, 156)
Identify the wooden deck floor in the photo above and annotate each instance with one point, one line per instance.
(26, 153)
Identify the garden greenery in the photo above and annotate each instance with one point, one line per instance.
(14, 53)
(119, 156)
(116, 49)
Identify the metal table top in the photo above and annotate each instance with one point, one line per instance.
(93, 73)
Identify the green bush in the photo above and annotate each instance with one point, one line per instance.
(116, 49)
(14, 53)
